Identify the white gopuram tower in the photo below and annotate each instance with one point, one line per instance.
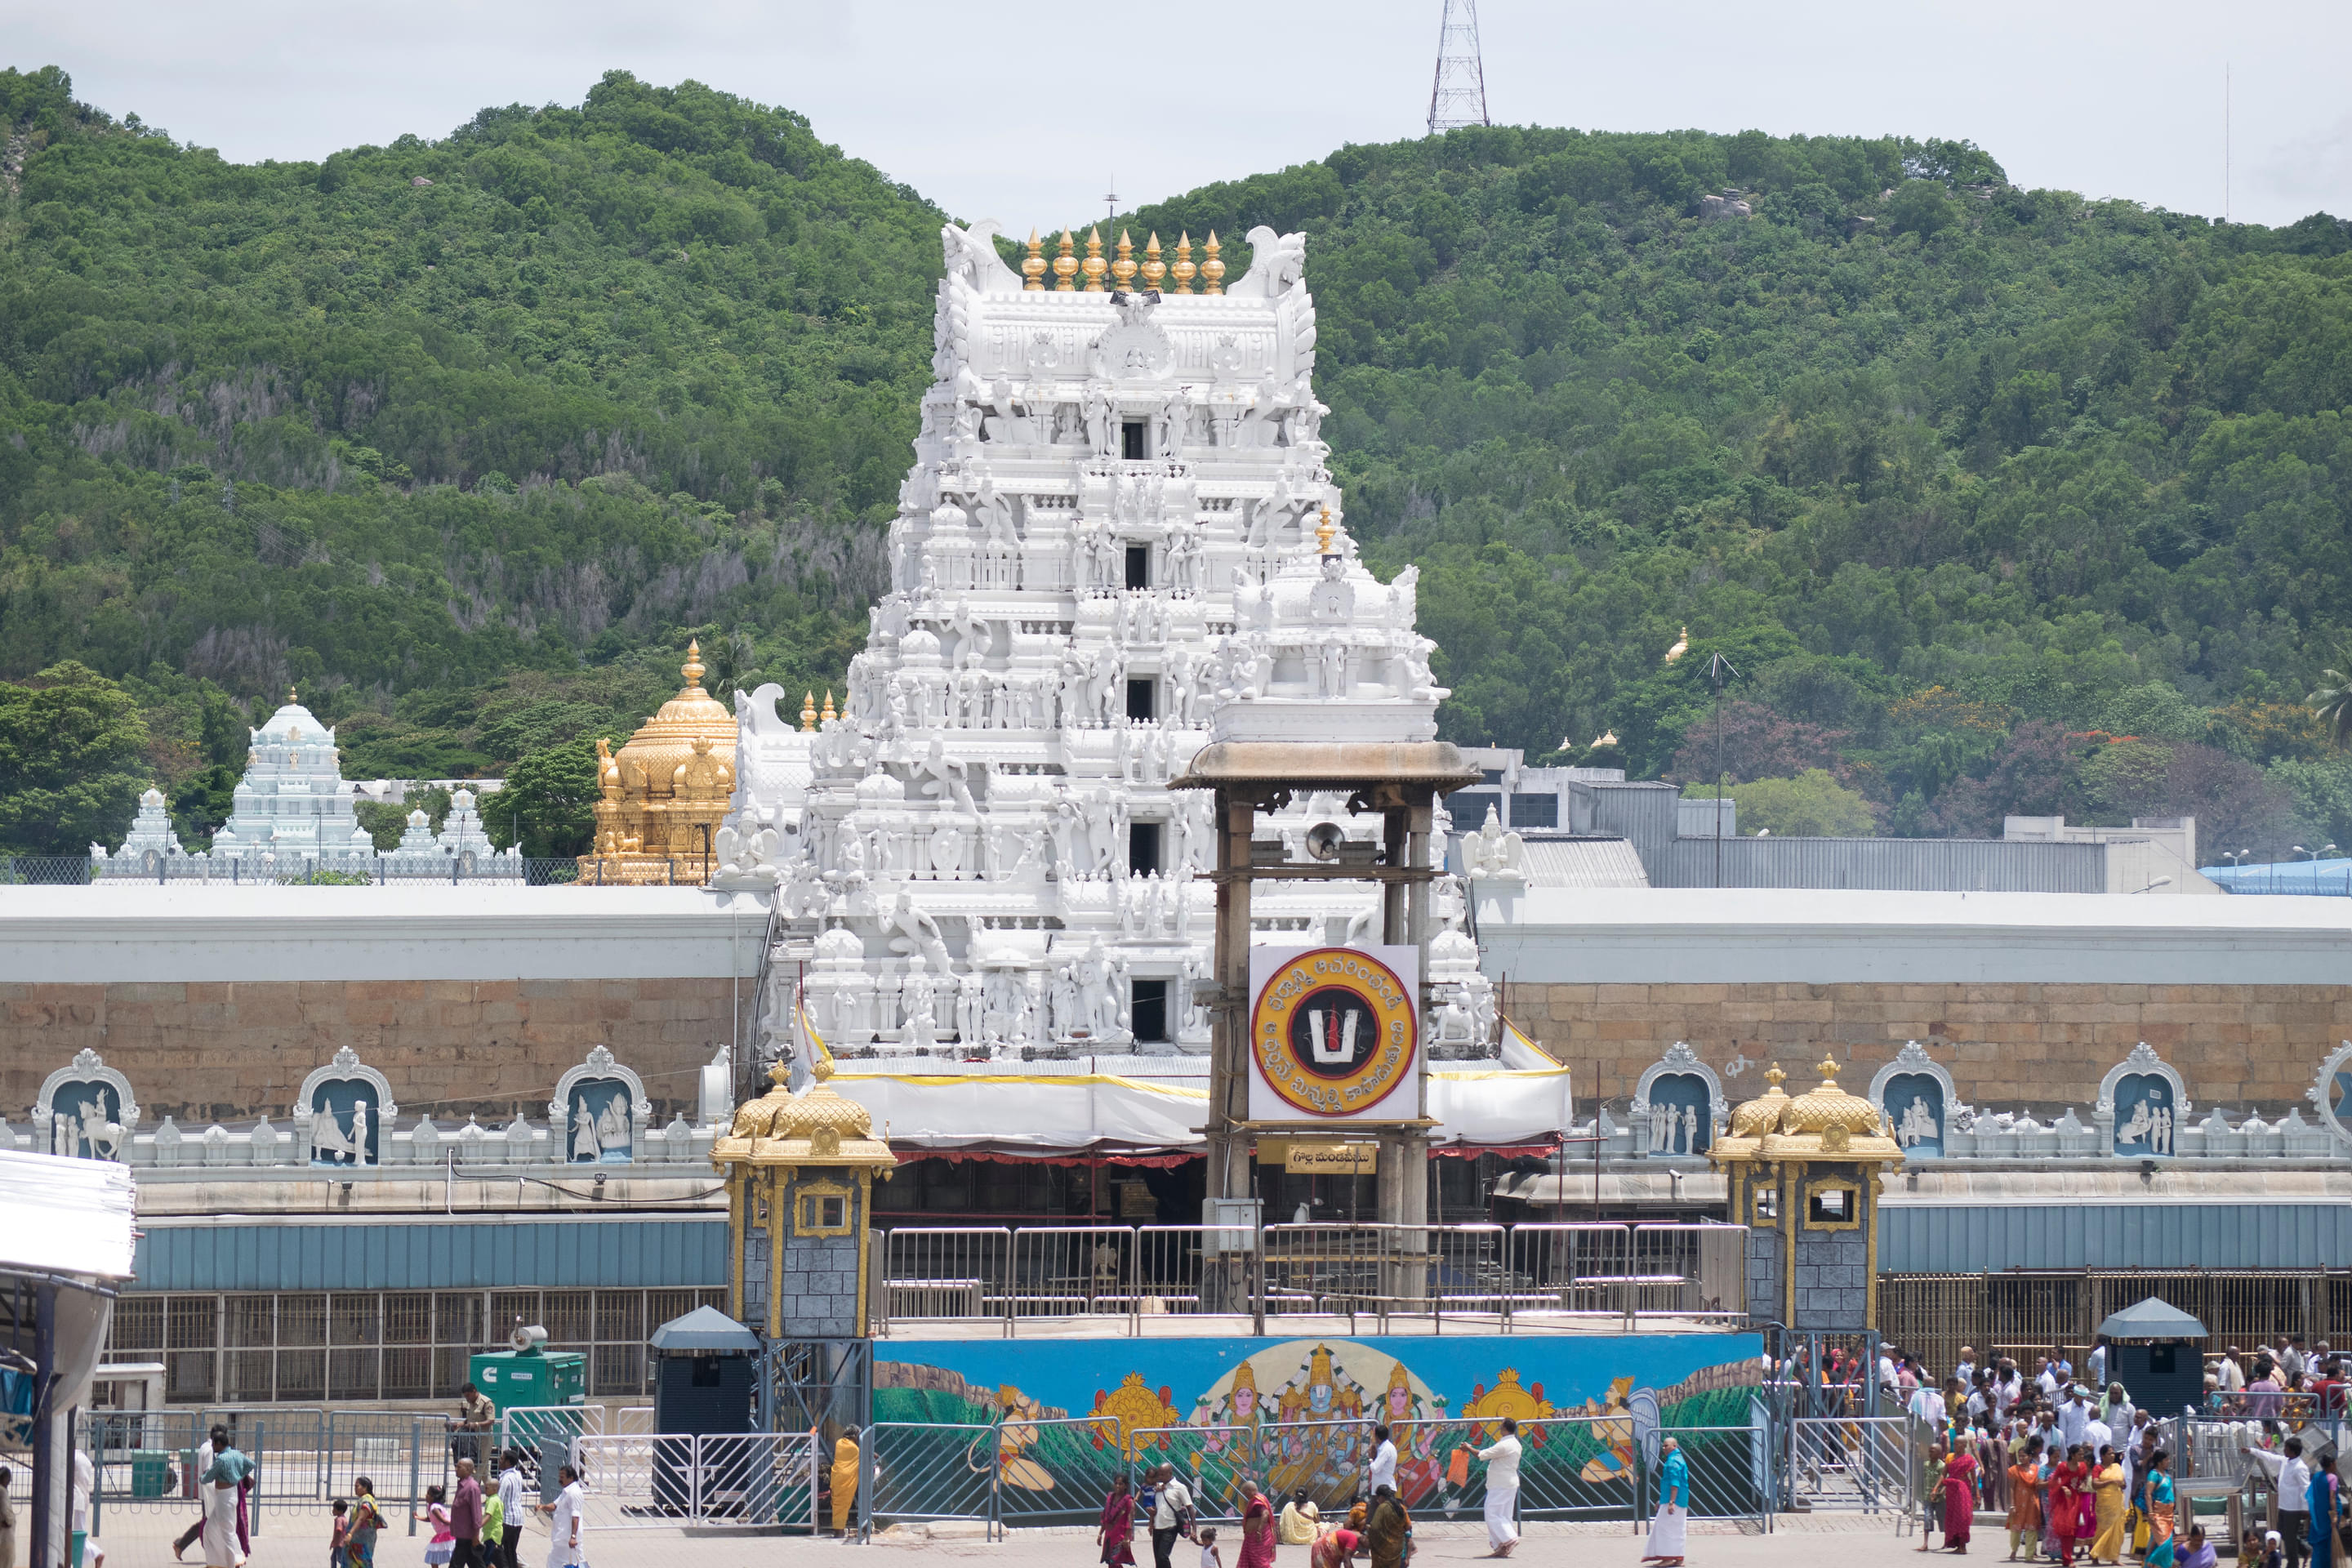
(1119, 538)
(294, 804)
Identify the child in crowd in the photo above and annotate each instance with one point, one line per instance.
(339, 1543)
(1209, 1558)
(444, 1544)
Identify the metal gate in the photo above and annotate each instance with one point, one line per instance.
(1868, 1462)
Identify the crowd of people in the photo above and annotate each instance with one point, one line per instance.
(2080, 1473)
(1377, 1526)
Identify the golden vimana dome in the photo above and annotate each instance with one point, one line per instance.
(1762, 1114)
(779, 1113)
(665, 793)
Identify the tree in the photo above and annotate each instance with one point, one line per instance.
(2332, 703)
(1756, 743)
(550, 798)
(726, 665)
(2036, 772)
(1813, 804)
(72, 762)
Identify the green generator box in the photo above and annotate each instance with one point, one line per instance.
(515, 1379)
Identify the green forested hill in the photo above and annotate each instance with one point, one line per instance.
(1996, 498)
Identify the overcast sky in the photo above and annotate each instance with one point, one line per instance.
(1029, 112)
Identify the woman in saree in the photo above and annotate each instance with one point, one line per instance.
(1388, 1530)
(2068, 1479)
(1257, 1527)
(2025, 1499)
(1960, 1497)
(2159, 1511)
(1115, 1532)
(2108, 1488)
(2201, 1554)
(1335, 1548)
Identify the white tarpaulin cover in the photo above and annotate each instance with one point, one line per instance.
(1103, 1113)
(66, 1217)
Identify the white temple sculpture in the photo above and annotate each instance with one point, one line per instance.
(151, 846)
(293, 805)
(1120, 538)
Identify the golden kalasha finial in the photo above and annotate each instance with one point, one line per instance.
(1095, 265)
(829, 714)
(1774, 1076)
(1065, 267)
(1323, 534)
(1829, 1069)
(1122, 271)
(1213, 271)
(1033, 266)
(808, 710)
(692, 668)
(1183, 269)
(1155, 271)
(292, 696)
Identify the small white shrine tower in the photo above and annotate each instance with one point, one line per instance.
(293, 803)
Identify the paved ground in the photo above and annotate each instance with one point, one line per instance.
(1819, 1540)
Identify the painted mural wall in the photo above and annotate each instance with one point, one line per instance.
(1296, 1414)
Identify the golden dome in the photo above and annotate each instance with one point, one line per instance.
(689, 725)
(818, 1127)
(665, 793)
(1828, 1106)
(1762, 1114)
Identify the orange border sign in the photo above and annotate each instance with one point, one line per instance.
(1380, 1070)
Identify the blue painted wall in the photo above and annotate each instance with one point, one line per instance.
(455, 1254)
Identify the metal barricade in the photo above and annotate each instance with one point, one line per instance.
(1570, 1467)
(738, 1480)
(1188, 1269)
(1064, 1271)
(525, 1429)
(400, 1454)
(631, 1420)
(946, 1272)
(1570, 1270)
(1218, 1464)
(922, 1471)
(1869, 1462)
(1057, 1471)
(1697, 1272)
(1325, 1271)
(1729, 1471)
(143, 1462)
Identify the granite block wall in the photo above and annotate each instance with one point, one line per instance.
(205, 1052)
(2008, 1044)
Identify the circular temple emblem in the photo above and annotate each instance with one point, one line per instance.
(1332, 1031)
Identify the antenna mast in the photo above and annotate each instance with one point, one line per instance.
(1458, 95)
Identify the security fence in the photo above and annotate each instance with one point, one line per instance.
(146, 1461)
(1486, 1278)
(1873, 1463)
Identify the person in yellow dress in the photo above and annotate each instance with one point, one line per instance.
(2108, 1485)
(844, 1479)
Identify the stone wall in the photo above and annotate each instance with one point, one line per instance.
(2036, 1042)
(223, 1051)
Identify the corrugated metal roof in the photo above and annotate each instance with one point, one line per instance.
(1910, 865)
(457, 1254)
(1583, 863)
(1937, 1238)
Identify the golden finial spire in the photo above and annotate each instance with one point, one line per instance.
(1682, 647)
(1774, 1076)
(292, 696)
(829, 714)
(1033, 267)
(1183, 269)
(1065, 267)
(1122, 271)
(692, 668)
(1095, 265)
(808, 710)
(1828, 1067)
(1213, 271)
(1154, 269)
(1323, 534)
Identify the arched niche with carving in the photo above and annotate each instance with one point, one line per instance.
(343, 1112)
(599, 1112)
(1917, 1096)
(1678, 1103)
(2142, 1105)
(85, 1110)
(2332, 1095)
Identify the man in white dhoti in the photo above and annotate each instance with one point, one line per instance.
(1667, 1526)
(1503, 1490)
(219, 1489)
(563, 1527)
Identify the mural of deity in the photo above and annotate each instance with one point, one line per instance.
(1681, 1116)
(85, 1121)
(1914, 1102)
(343, 1132)
(2143, 1115)
(599, 1119)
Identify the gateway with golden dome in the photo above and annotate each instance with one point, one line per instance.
(1803, 1174)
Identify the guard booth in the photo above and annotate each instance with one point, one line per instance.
(2158, 1352)
(706, 1381)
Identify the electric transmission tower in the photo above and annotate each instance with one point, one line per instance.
(1458, 95)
